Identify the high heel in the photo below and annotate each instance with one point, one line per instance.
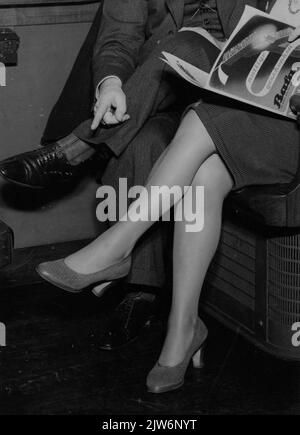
(100, 289)
(62, 276)
(162, 379)
(198, 359)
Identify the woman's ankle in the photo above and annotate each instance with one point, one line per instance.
(184, 323)
(179, 338)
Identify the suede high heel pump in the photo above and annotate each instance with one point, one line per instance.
(62, 276)
(162, 379)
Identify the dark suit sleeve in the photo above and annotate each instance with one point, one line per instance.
(121, 35)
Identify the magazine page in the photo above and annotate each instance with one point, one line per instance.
(287, 11)
(188, 72)
(258, 65)
(202, 32)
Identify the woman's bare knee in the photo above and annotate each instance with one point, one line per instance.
(215, 177)
(192, 132)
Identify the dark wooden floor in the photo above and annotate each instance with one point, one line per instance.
(52, 365)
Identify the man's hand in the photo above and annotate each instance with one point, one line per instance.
(110, 107)
(295, 34)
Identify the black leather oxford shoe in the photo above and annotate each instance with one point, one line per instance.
(41, 168)
(128, 320)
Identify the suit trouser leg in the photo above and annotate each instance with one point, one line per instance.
(135, 165)
(153, 88)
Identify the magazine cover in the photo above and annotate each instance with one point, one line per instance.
(257, 66)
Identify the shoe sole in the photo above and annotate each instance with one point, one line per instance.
(166, 389)
(18, 183)
(61, 286)
(30, 186)
(102, 288)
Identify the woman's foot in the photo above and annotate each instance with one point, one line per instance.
(62, 276)
(104, 252)
(168, 376)
(177, 342)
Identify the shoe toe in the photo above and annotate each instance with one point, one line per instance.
(52, 271)
(60, 275)
(164, 379)
(43, 269)
(155, 382)
(13, 170)
(3, 171)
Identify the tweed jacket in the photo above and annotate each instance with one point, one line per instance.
(125, 36)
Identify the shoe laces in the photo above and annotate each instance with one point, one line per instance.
(47, 159)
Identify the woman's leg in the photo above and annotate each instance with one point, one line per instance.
(192, 255)
(190, 147)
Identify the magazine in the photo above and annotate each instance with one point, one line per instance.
(257, 65)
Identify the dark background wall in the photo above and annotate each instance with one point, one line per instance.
(50, 37)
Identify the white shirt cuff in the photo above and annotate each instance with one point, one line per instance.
(102, 81)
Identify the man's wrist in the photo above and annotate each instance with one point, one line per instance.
(108, 81)
(111, 81)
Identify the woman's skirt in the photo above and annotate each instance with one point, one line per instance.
(257, 147)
